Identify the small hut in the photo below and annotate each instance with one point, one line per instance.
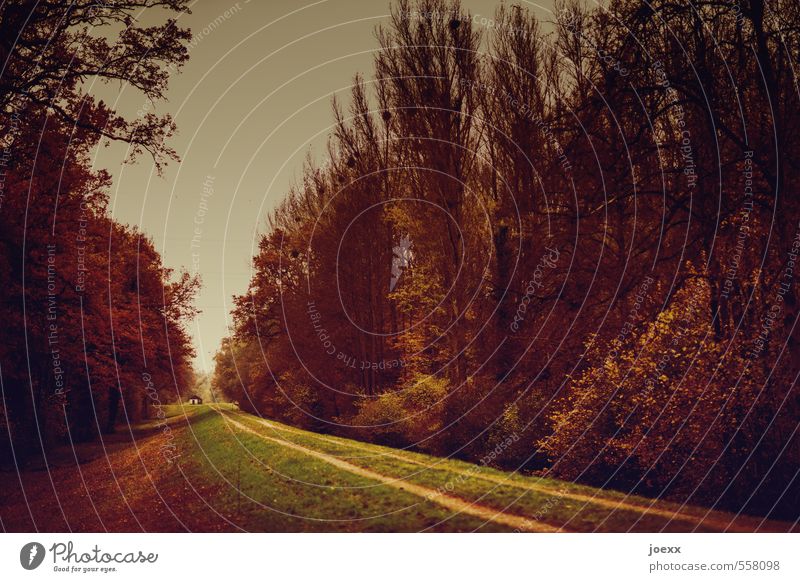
(194, 399)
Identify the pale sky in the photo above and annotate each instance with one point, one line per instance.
(251, 101)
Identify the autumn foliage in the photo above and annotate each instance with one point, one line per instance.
(580, 234)
(93, 323)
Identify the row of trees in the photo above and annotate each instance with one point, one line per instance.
(93, 323)
(582, 234)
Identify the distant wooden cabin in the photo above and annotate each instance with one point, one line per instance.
(195, 400)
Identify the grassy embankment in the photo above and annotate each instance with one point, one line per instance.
(239, 472)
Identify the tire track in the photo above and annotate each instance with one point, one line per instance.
(448, 501)
(706, 521)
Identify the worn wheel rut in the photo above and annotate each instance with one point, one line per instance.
(448, 501)
(707, 521)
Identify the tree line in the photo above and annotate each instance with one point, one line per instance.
(576, 236)
(93, 329)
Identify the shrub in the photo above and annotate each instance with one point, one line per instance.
(409, 417)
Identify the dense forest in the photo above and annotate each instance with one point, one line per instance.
(566, 246)
(93, 332)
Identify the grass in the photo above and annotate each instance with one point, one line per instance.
(232, 475)
(267, 487)
(276, 481)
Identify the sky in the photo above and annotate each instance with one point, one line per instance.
(251, 102)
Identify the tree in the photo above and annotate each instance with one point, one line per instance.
(87, 297)
(582, 241)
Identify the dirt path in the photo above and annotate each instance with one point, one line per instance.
(706, 521)
(131, 489)
(453, 503)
